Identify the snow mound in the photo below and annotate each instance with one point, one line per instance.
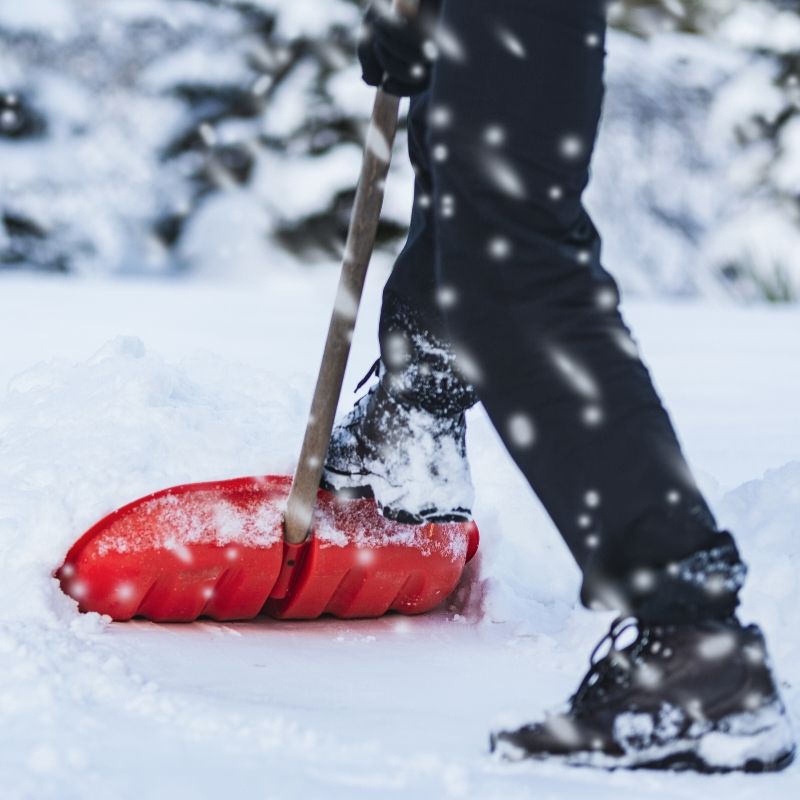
(78, 440)
(765, 515)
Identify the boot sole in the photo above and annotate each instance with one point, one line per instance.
(688, 761)
(349, 492)
(763, 742)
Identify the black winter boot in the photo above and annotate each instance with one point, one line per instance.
(411, 460)
(404, 442)
(699, 696)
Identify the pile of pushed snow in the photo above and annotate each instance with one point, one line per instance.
(78, 440)
(765, 515)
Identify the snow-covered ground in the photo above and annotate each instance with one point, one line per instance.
(111, 389)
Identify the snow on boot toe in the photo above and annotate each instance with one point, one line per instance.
(412, 461)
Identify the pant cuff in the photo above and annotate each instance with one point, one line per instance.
(703, 585)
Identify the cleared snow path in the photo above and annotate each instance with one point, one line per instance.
(212, 381)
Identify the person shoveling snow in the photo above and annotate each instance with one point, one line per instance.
(500, 296)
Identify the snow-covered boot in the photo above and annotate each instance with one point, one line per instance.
(411, 460)
(699, 696)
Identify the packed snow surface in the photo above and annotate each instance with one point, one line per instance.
(110, 391)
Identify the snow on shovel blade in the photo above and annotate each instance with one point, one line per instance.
(357, 563)
(216, 550)
(203, 549)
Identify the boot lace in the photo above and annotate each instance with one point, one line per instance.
(375, 370)
(613, 671)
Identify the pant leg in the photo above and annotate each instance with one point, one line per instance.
(413, 336)
(413, 280)
(535, 314)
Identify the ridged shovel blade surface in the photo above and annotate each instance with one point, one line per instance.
(217, 550)
(360, 564)
(204, 549)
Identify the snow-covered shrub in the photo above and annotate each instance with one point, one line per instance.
(735, 148)
(225, 135)
(758, 251)
(148, 135)
(648, 17)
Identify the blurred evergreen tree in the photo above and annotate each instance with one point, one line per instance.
(768, 134)
(177, 124)
(167, 134)
(754, 255)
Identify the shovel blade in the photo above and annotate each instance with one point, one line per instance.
(203, 549)
(217, 550)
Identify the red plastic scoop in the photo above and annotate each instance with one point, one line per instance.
(217, 550)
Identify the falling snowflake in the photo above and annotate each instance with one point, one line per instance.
(346, 304)
(441, 117)
(499, 248)
(448, 204)
(521, 430)
(505, 177)
(494, 135)
(592, 498)
(397, 350)
(625, 342)
(575, 374)
(9, 119)
(755, 654)
(648, 675)
(592, 415)
(511, 42)
(716, 646)
(430, 50)
(606, 298)
(124, 591)
(365, 556)
(468, 367)
(644, 580)
(571, 147)
(448, 44)
(446, 296)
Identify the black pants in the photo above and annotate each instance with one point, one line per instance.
(503, 263)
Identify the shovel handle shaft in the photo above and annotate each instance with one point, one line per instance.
(358, 251)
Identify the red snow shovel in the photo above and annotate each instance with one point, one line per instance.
(236, 548)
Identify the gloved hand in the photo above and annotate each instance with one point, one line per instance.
(396, 53)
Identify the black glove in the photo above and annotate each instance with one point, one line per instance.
(397, 53)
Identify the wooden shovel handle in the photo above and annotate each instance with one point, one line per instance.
(358, 251)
